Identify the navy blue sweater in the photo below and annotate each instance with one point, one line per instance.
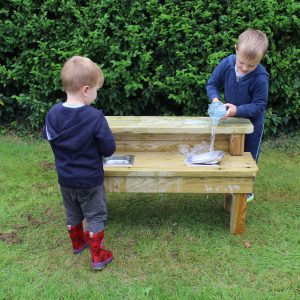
(249, 94)
(79, 137)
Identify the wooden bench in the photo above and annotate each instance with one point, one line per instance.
(159, 167)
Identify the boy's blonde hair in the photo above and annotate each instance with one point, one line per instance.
(253, 44)
(79, 71)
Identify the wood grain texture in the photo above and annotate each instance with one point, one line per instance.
(167, 164)
(175, 124)
(213, 185)
(238, 213)
(236, 144)
(168, 142)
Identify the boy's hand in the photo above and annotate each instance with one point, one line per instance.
(231, 110)
(216, 100)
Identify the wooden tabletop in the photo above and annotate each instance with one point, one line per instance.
(174, 124)
(167, 164)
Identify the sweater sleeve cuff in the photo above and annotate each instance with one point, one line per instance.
(239, 111)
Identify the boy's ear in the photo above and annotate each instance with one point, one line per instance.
(85, 89)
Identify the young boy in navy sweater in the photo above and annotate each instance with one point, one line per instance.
(245, 83)
(80, 136)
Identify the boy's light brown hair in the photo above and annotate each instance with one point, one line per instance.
(79, 71)
(253, 44)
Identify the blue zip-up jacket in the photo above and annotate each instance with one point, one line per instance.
(249, 95)
(79, 137)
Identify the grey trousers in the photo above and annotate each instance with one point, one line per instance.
(88, 203)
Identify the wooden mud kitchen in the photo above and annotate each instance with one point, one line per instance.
(159, 167)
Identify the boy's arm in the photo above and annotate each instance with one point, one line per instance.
(216, 82)
(258, 103)
(104, 137)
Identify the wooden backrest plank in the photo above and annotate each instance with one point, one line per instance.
(176, 125)
(159, 133)
(168, 142)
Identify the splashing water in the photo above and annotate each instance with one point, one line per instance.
(216, 111)
(208, 158)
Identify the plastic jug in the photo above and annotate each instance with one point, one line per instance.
(217, 110)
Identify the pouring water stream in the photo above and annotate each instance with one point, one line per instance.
(216, 111)
(214, 125)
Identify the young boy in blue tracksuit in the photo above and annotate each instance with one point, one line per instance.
(79, 136)
(245, 83)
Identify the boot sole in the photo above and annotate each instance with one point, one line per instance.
(101, 265)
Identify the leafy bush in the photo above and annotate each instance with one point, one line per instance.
(156, 55)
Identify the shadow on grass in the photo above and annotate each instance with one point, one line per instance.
(159, 210)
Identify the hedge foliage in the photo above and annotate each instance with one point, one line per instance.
(156, 55)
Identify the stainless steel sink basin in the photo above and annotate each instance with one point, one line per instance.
(118, 160)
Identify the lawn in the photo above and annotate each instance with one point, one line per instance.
(165, 246)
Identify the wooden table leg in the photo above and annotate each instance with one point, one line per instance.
(227, 202)
(236, 144)
(238, 213)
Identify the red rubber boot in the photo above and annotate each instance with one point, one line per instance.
(77, 238)
(100, 256)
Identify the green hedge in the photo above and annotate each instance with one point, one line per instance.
(156, 55)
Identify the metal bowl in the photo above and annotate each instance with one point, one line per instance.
(118, 160)
(207, 158)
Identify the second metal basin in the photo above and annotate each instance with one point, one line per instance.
(118, 160)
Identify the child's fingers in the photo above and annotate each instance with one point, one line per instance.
(231, 111)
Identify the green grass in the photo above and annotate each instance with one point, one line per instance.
(165, 246)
